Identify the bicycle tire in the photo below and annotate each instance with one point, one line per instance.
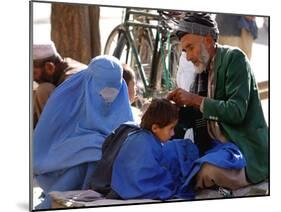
(123, 44)
(111, 43)
(173, 68)
(122, 49)
(145, 49)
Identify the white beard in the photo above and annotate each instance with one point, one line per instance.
(204, 58)
(199, 69)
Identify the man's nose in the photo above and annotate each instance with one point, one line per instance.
(188, 56)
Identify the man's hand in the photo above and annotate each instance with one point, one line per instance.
(182, 97)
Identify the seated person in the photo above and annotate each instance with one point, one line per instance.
(49, 71)
(226, 99)
(130, 79)
(147, 165)
(78, 116)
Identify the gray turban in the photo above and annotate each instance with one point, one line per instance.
(199, 24)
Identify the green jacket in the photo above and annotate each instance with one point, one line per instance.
(237, 107)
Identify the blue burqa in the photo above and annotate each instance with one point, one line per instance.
(78, 116)
(147, 169)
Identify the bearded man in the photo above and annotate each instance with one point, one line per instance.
(49, 71)
(225, 96)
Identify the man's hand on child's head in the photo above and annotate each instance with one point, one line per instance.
(182, 97)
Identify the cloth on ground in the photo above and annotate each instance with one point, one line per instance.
(79, 195)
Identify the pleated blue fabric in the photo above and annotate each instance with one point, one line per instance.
(78, 116)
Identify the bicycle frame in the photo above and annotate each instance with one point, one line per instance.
(132, 43)
(155, 41)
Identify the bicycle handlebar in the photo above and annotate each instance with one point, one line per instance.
(163, 17)
(146, 14)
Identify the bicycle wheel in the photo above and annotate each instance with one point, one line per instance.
(166, 80)
(117, 44)
(145, 49)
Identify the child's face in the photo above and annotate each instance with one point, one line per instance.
(164, 133)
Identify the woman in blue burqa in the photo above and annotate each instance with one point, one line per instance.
(74, 124)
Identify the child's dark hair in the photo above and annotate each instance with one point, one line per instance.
(161, 112)
(128, 73)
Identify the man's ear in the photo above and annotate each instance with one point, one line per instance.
(209, 41)
(154, 128)
(50, 68)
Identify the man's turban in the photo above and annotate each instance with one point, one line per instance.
(197, 23)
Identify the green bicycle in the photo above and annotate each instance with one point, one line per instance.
(145, 41)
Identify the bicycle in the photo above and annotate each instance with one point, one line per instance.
(144, 41)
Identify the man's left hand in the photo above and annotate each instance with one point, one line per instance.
(182, 97)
